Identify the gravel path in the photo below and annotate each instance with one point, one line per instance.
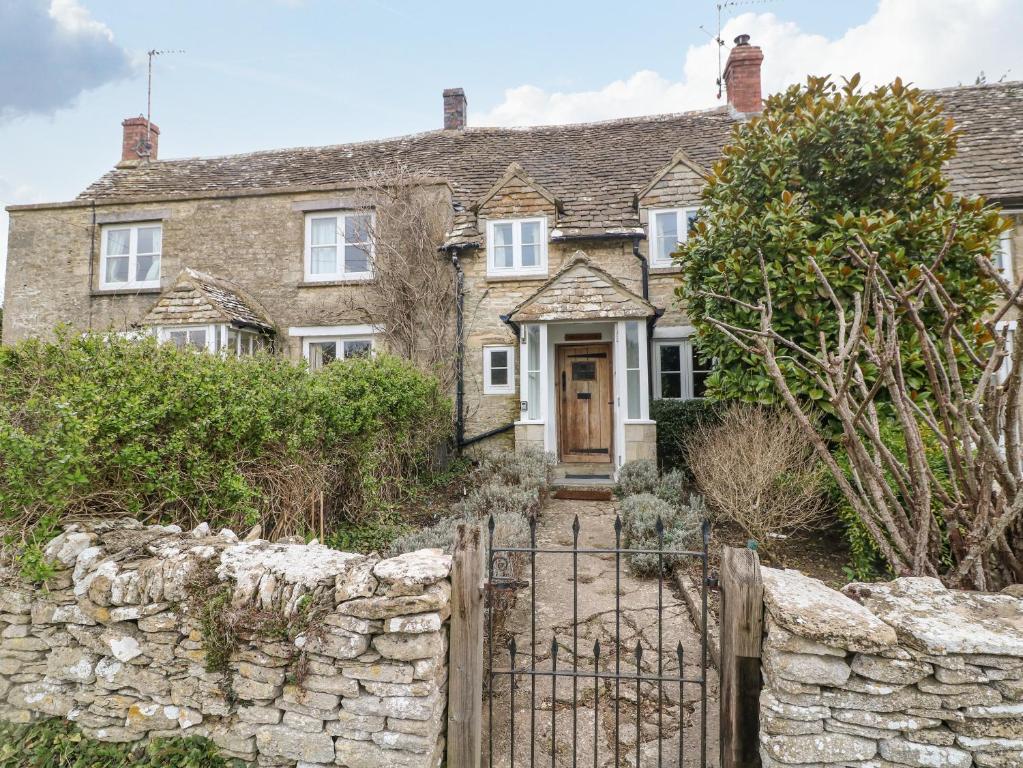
(596, 622)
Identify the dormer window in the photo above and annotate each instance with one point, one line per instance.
(668, 228)
(517, 247)
(338, 246)
(130, 256)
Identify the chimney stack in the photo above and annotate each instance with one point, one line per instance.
(742, 77)
(137, 143)
(456, 109)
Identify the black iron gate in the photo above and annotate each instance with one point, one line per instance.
(513, 671)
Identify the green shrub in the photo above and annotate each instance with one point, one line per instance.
(493, 498)
(638, 476)
(511, 529)
(107, 426)
(677, 421)
(673, 487)
(681, 524)
(60, 744)
(527, 467)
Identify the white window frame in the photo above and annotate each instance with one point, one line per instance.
(687, 358)
(243, 337)
(1005, 254)
(681, 226)
(340, 274)
(339, 334)
(490, 388)
(163, 333)
(517, 268)
(1011, 327)
(133, 229)
(541, 401)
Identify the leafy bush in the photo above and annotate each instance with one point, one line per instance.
(60, 744)
(673, 487)
(824, 165)
(676, 421)
(681, 525)
(494, 498)
(528, 467)
(108, 426)
(638, 476)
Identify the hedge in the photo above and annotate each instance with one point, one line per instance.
(103, 425)
(676, 421)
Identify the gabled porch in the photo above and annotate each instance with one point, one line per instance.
(584, 389)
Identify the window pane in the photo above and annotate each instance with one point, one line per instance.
(632, 345)
(149, 240)
(503, 234)
(671, 384)
(700, 383)
(323, 260)
(117, 269)
(232, 342)
(147, 268)
(321, 353)
(499, 377)
(197, 338)
(533, 377)
(323, 231)
(530, 255)
(359, 348)
(357, 228)
(504, 256)
(671, 357)
(530, 233)
(632, 385)
(499, 358)
(691, 220)
(178, 338)
(356, 259)
(118, 242)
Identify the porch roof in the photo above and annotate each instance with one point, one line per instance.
(196, 297)
(581, 291)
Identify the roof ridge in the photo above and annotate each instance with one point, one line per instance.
(483, 129)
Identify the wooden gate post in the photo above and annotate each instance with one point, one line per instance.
(465, 655)
(742, 628)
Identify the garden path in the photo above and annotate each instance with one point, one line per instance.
(596, 621)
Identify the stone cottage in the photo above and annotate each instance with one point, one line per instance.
(561, 238)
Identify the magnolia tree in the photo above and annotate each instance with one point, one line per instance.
(834, 273)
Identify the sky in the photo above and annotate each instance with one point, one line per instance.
(261, 74)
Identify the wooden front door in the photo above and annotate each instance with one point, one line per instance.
(585, 402)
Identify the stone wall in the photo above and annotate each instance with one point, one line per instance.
(905, 673)
(340, 659)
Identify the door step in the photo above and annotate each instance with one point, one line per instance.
(583, 482)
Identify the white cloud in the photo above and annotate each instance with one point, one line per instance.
(929, 42)
(49, 54)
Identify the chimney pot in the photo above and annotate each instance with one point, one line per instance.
(139, 141)
(742, 77)
(456, 109)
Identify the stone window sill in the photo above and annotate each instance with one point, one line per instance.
(334, 283)
(126, 291)
(516, 278)
(665, 270)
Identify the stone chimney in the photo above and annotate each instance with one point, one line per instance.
(742, 77)
(138, 144)
(456, 109)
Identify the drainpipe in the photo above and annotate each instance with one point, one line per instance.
(459, 349)
(644, 266)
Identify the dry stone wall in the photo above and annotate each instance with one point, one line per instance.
(331, 658)
(893, 675)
